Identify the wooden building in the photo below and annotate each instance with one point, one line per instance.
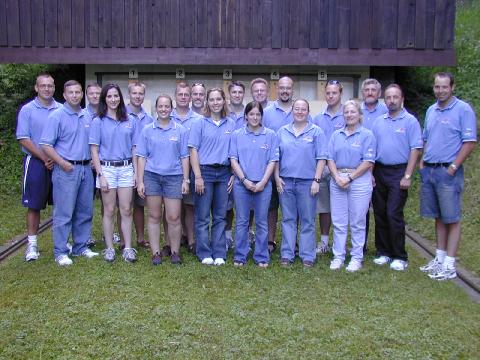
(154, 40)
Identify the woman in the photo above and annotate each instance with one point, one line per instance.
(253, 154)
(163, 168)
(111, 144)
(302, 159)
(208, 141)
(351, 155)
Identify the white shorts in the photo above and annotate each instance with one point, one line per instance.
(118, 177)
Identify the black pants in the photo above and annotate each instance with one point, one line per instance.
(388, 203)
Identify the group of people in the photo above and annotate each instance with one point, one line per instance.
(193, 167)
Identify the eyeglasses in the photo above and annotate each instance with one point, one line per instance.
(333, 82)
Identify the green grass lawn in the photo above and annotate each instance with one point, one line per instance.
(136, 311)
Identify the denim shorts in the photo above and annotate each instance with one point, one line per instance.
(323, 198)
(168, 186)
(441, 194)
(118, 176)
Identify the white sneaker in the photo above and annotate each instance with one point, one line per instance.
(207, 261)
(399, 265)
(219, 262)
(322, 248)
(433, 266)
(31, 252)
(382, 260)
(116, 238)
(336, 264)
(446, 273)
(70, 248)
(63, 260)
(354, 265)
(129, 254)
(109, 254)
(89, 253)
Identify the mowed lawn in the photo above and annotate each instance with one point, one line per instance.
(96, 310)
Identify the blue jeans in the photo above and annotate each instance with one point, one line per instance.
(441, 194)
(245, 200)
(297, 203)
(73, 209)
(214, 200)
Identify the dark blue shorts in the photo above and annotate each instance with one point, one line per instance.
(37, 184)
(169, 186)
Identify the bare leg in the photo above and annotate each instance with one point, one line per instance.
(125, 206)
(33, 221)
(189, 211)
(325, 223)
(272, 224)
(139, 221)
(154, 204)
(172, 211)
(109, 202)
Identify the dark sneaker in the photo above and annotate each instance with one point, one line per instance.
(156, 259)
(175, 259)
(166, 251)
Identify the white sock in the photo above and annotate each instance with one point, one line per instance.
(32, 240)
(440, 255)
(449, 262)
(324, 239)
(228, 233)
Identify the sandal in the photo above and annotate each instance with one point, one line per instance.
(272, 246)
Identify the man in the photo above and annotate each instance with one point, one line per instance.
(65, 141)
(450, 135)
(185, 116)
(136, 93)
(399, 142)
(259, 91)
(37, 166)
(330, 120)
(274, 117)
(93, 97)
(236, 92)
(371, 107)
(198, 97)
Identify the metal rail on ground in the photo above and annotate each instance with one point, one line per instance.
(18, 241)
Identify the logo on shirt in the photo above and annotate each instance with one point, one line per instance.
(444, 121)
(228, 131)
(264, 147)
(400, 130)
(468, 132)
(356, 143)
(308, 139)
(173, 138)
(338, 126)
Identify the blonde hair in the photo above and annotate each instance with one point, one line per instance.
(356, 105)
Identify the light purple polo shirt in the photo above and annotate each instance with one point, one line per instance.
(142, 118)
(163, 148)
(188, 121)
(114, 138)
(211, 141)
(274, 117)
(254, 151)
(370, 116)
(396, 137)
(447, 129)
(239, 119)
(299, 154)
(67, 132)
(31, 121)
(350, 151)
(329, 124)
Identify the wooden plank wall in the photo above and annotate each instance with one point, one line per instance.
(257, 24)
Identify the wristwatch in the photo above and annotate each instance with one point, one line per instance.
(453, 166)
(317, 180)
(187, 181)
(407, 176)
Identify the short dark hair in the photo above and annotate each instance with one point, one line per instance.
(252, 105)
(445, 75)
(102, 106)
(236, 83)
(393, 86)
(71, 83)
(89, 85)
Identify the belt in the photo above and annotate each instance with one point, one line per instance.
(434, 165)
(215, 165)
(116, 163)
(396, 166)
(346, 171)
(79, 162)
